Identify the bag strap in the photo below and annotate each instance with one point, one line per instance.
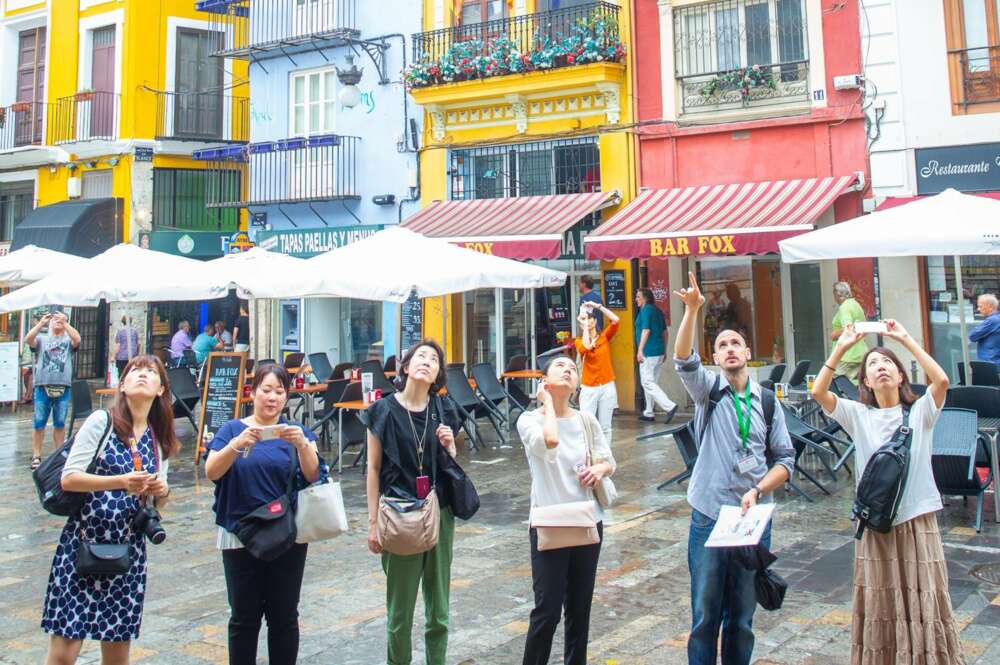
(291, 474)
(588, 436)
(904, 433)
(714, 396)
(768, 401)
(103, 443)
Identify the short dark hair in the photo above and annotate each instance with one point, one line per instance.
(648, 295)
(867, 395)
(404, 363)
(587, 281)
(261, 372)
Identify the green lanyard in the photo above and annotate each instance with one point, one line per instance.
(744, 421)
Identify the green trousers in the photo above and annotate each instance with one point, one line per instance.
(403, 575)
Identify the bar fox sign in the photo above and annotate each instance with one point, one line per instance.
(722, 244)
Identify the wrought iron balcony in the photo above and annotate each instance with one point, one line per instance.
(734, 54)
(546, 40)
(980, 74)
(255, 27)
(207, 117)
(297, 170)
(22, 124)
(85, 116)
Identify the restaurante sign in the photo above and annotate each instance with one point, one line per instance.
(967, 168)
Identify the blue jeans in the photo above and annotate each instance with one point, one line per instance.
(722, 595)
(44, 405)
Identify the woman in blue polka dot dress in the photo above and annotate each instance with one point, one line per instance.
(127, 467)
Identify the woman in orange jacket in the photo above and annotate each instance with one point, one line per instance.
(598, 394)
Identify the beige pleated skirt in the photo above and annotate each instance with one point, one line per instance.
(902, 611)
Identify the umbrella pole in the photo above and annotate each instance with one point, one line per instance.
(444, 325)
(531, 328)
(961, 319)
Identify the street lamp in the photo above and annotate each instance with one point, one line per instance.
(349, 78)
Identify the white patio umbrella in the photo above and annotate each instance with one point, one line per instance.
(30, 264)
(259, 273)
(124, 273)
(948, 224)
(395, 262)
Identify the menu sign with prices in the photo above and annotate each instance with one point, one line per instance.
(220, 400)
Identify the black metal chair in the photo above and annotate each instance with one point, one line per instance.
(460, 366)
(843, 387)
(390, 364)
(918, 389)
(339, 369)
(189, 359)
(320, 364)
(767, 383)
(186, 395)
(687, 446)
(326, 415)
(984, 373)
(380, 380)
(354, 432)
(489, 386)
(798, 377)
(957, 446)
(961, 374)
(826, 446)
(517, 363)
(81, 403)
(984, 400)
(293, 361)
(471, 404)
(777, 374)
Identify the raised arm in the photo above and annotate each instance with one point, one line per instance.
(693, 300)
(937, 379)
(32, 335)
(821, 387)
(74, 335)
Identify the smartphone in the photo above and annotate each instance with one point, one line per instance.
(270, 432)
(870, 327)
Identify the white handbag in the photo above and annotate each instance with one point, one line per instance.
(319, 513)
(605, 490)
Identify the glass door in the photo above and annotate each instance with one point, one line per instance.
(809, 330)
(516, 329)
(481, 327)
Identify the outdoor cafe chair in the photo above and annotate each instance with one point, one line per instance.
(517, 363)
(354, 433)
(843, 387)
(777, 374)
(340, 368)
(984, 373)
(918, 389)
(81, 402)
(984, 400)
(390, 364)
(466, 398)
(189, 359)
(492, 390)
(293, 361)
(320, 364)
(804, 438)
(957, 446)
(326, 416)
(798, 376)
(687, 446)
(185, 392)
(380, 380)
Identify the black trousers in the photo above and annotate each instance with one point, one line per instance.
(561, 578)
(259, 589)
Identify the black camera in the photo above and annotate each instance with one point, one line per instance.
(147, 522)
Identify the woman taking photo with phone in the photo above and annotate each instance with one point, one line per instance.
(130, 471)
(251, 461)
(408, 432)
(565, 469)
(902, 611)
(598, 394)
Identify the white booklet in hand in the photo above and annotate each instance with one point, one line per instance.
(735, 530)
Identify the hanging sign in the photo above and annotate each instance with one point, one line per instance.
(615, 296)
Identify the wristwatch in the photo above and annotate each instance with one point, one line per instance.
(760, 492)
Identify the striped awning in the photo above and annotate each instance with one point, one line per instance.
(523, 227)
(724, 220)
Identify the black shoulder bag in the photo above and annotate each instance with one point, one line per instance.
(461, 494)
(48, 477)
(883, 481)
(269, 531)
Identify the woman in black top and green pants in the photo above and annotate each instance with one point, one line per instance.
(406, 439)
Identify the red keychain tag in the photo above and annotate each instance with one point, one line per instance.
(423, 486)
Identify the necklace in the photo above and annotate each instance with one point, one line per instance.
(419, 442)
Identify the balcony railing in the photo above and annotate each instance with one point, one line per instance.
(546, 40)
(732, 54)
(980, 74)
(750, 87)
(254, 27)
(207, 117)
(85, 116)
(22, 124)
(296, 170)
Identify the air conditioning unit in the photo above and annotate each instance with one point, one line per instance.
(849, 82)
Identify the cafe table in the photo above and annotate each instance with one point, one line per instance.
(105, 392)
(356, 405)
(991, 428)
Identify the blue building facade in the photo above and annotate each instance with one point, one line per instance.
(332, 152)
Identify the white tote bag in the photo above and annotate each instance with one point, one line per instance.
(319, 513)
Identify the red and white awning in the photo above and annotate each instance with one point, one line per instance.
(724, 220)
(524, 227)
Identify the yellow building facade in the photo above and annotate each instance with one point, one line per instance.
(527, 98)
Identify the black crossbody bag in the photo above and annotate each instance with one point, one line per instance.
(269, 531)
(461, 493)
(880, 489)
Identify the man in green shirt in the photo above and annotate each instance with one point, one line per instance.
(848, 312)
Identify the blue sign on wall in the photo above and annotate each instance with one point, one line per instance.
(967, 168)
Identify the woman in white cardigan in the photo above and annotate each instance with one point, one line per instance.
(555, 443)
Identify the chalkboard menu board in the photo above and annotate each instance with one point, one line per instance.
(411, 321)
(614, 290)
(220, 399)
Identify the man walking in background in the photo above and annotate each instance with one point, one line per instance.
(651, 345)
(848, 312)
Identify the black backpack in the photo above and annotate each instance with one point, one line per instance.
(883, 481)
(767, 402)
(48, 478)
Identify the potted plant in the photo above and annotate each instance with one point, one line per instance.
(84, 95)
(20, 107)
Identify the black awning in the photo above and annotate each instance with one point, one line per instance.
(83, 227)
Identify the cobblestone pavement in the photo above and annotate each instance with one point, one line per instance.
(641, 607)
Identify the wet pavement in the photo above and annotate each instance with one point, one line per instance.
(641, 607)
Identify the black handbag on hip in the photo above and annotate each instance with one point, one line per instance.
(269, 531)
(104, 559)
(459, 491)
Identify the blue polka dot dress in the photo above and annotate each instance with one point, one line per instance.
(102, 608)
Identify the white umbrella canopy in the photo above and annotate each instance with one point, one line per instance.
(259, 273)
(32, 263)
(395, 262)
(124, 273)
(948, 224)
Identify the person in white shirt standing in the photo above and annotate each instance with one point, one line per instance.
(555, 443)
(902, 611)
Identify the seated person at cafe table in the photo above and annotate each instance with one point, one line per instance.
(205, 343)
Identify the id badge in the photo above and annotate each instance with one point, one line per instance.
(746, 464)
(423, 486)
